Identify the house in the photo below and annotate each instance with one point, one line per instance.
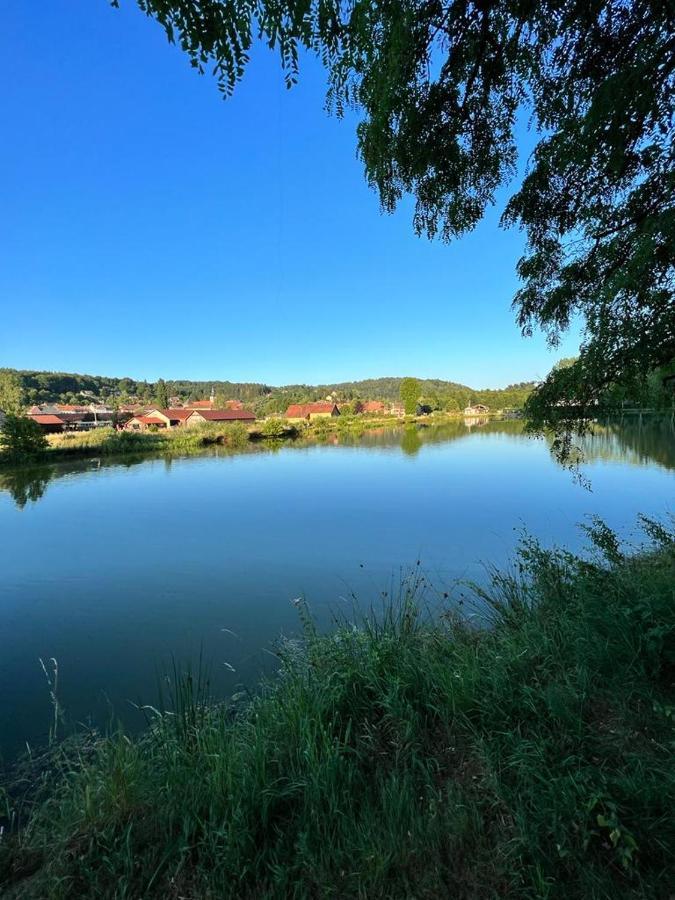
(202, 416)
(397, 409)
(71, 408)
(307, 412)
(142, 423)
(161, 418)
(203, 404)
(199, 404)
(478, 410)
(49, 423)
(372, 407)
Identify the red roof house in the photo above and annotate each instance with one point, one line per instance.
(199, 404)
(373, 406)
(199, 416)
(49, 422)
(309, 411)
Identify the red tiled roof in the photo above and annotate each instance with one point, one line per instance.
(224, 415)
(199, 404)
(69, 407)
(300, 410)
(373, 406)
(47, 419)
(149, 420)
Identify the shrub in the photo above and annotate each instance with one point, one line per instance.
(21, 439)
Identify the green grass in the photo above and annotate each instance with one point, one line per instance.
(107, 442)
(406, 757)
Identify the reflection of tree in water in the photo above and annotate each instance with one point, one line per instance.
(26, 483)
(637, 440)
(411, 441)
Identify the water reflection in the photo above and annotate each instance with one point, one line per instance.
(638, 440)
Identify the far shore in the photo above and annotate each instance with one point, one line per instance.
(108, 442)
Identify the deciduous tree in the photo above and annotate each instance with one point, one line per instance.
(21, 438)
(441, 87)
(11, 392)
(410, 393)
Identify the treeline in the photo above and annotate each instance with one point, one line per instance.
(66, 387)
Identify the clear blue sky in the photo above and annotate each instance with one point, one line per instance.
(148, 228)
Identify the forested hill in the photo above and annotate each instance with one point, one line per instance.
(45, 387)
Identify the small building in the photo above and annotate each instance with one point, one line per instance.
(372, 407)
(397, 409)
(307, 412)
(478, 410)
(71, 408)
(199, 404)
(202, 416)
(143, 423)
(48, 422)
(163, 418)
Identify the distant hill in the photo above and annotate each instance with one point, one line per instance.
(50, 387)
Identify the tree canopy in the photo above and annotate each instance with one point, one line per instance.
(441, 86)
(11, 391)
(410, 393)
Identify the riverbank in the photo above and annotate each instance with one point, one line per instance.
(405, 757)
(106, 442)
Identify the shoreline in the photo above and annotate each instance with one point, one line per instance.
(396, 756)
(106, 442)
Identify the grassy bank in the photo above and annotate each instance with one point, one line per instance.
(106, 442)
(403, 758)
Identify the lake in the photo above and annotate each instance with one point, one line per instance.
(113, 568)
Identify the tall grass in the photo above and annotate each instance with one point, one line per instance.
(402, 757)
(107, 442)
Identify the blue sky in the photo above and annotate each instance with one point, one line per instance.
(148, 228)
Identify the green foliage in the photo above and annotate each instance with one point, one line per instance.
(21, 439)
(399, 758)
(441, 87)
(273, 428)
(49, 387)
(11, 392)
(410, 391)
(161, 394)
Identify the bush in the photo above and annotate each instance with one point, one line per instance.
(21, 439)
(273, 428)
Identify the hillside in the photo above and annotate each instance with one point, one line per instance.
(50, 387)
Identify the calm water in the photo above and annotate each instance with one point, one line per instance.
(112, 568)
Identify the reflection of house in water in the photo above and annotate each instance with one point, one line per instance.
(476, 415)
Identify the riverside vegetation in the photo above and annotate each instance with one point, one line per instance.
(407, 755)
(106, 442)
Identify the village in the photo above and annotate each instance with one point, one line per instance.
(59, 417)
